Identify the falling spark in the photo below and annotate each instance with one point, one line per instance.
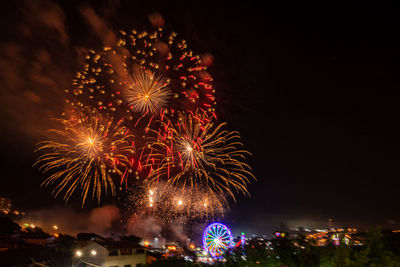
(87, 152)
(147, 93)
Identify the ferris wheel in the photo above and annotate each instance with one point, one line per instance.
(217, 239)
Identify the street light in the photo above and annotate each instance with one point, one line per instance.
(93, 252)
(78, 253)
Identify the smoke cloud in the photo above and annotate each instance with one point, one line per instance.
(144, 226)
(70, 221)
(36, 66)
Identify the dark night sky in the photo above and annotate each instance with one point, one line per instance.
(312, 89)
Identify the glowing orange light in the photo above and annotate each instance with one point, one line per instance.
(171, 248)
(90, 141)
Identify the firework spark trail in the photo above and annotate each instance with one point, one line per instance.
(168, 202)
(147, 93)
(155, 64)
(152, 84)
(196, 153)
(87, 151)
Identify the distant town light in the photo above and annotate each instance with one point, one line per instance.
(173, 248)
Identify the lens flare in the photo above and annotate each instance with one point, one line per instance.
(87, 151)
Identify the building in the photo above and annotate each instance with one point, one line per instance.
(34, 256)
(5, 208)
(110, 254)
(5, 205)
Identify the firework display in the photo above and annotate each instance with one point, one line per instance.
(86, 152)
(145, 73)
(185, 162)
(217, 239)
(147, 94)
(195, 152)
(170, 203)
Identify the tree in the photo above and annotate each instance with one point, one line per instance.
(307, 252)
(8, 226)
(285, 250)
(375, 252)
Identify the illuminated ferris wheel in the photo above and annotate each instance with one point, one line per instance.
(217, 239)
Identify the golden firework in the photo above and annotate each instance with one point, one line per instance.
(147, 93)
(195, 152)
(143, 72)
(170, 202)
(85, 154)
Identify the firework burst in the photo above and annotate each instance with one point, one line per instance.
(195, 153)
(147, 93)
(153, 84)
(117, 79)
(168, 202)
(86, 153)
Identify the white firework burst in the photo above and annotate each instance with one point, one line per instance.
(148, 92)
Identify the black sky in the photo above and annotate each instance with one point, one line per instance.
(312, 89)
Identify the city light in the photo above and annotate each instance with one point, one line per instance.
(78, 253)
(172, 248)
